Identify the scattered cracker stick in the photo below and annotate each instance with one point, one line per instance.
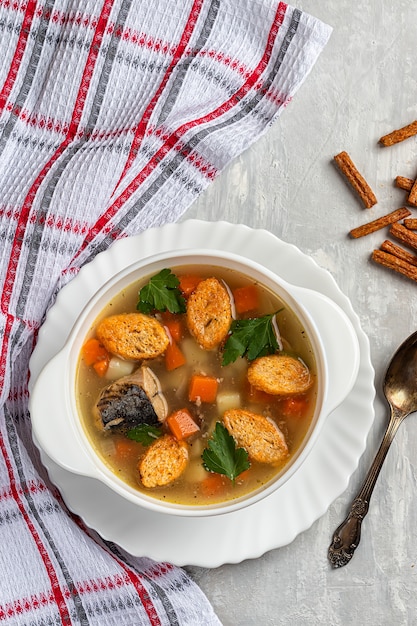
(379, 223)
(405, 235)
(392, 248)
(399, 135)
(411, 223)
(395, 263)
(404, 183)
(412, 196)
(356, 180)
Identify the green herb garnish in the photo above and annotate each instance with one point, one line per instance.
(161, 293)
(144, 434)
(252, 337)
(222, 456)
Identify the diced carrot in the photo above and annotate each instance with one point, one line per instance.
(101, 367)
(244, 476)
(203, 388)
(93, 351)
(213, 484)
(167, 316)
(174, 327)
(174, 357)
(257, 395)
(295, 406)
(246, 298)
(182, 424)
(188, 283)
(126, 449)
(173, 323)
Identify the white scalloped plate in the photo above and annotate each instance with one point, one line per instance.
(270, 523)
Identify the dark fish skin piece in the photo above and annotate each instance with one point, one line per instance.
(125, 405)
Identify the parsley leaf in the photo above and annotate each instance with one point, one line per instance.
(161, 293)
(222, 456)
(251, 337)
(144, 434)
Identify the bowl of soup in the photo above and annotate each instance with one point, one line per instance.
(195, 383)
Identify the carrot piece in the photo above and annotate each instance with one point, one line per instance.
(294, 407)
(174, 357)
(101, 367)
(244, 476)
(202, 388)
(174, 327)
(167, 316)
(93, 351)
(95, 354)
(126, 449)
(181, 424)
(188, 283)
(257, 395)
(173, 323)
(246, 298)
(213, 484)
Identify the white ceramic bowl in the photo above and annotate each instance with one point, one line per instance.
(58, 430)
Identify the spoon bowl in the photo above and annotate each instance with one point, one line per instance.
(400, 390)
(400, 384)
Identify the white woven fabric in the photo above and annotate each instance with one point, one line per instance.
(114, 116)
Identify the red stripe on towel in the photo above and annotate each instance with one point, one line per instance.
(18, 53)
(52, 575)
(175, 137)
(141, 128)
(27, 205)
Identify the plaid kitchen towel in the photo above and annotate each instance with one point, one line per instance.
(114, 116)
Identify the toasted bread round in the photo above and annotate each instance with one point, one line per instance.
(133, 336)
(209, 313)
(259, 435)
(163, 462)
(280, 375)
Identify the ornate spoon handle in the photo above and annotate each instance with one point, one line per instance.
(347, 536)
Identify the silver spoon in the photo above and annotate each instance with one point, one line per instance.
(400, 390)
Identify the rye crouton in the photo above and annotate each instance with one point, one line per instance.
(280, 375)
(209, 313)
(259, 435)
(163, 462)
(133, 336)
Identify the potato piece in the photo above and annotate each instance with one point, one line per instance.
(163, 462)
(195, 472)
(194, 353)
(133, 336)
(228, 400)
(119, 367)
(259, 435)
(280, 375)
(196, 447)
(209, 313)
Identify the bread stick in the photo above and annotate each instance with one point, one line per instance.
(392, 248)
(399, 135)
(405, 235)
(412, 196)
(404, 183)
(379, 223)
(411, 223)
(395, 263)
(355, 179)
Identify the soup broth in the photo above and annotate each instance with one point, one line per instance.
(196, 485)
